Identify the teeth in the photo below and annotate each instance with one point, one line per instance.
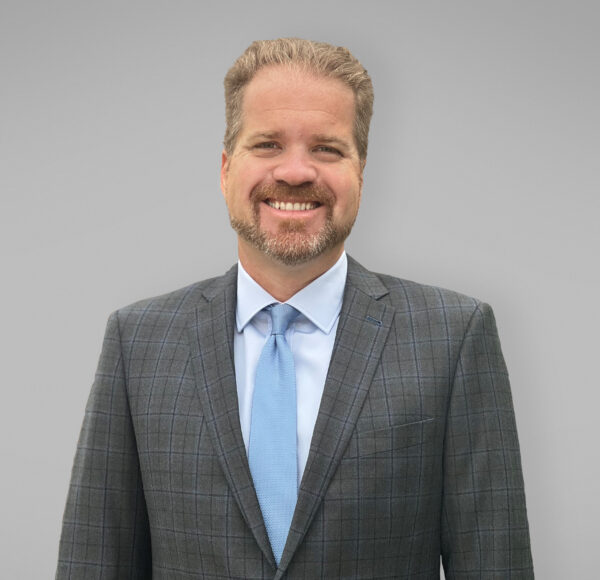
(289, 206)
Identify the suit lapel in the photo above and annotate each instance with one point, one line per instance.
(210, 332)
(362, 330)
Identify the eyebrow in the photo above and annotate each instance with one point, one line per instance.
(267, 135)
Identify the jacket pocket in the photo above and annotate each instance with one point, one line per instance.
(393, 438)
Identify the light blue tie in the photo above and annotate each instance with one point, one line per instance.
(272, 452)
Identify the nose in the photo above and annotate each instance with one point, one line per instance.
(295, 168)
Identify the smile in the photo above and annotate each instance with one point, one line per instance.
(292, 206)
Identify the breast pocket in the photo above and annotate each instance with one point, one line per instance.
(392, 439)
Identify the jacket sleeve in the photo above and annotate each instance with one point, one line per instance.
(484, 520)
(105, 531)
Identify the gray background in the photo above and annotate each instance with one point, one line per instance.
(482, 177)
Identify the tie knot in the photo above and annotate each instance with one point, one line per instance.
(281, 316)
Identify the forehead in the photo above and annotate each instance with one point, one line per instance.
(280, 94)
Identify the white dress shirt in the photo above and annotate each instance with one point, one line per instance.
(310, 337)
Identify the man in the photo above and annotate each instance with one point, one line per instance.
(361, 430)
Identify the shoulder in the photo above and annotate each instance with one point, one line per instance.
(426, 295)
(172, 308)
(416, 300)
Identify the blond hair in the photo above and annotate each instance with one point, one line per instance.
(319, 58)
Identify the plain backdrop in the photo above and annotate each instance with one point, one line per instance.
(482, 177)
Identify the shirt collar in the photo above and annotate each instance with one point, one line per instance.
(320, 301)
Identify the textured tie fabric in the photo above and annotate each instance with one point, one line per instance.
(272, 451)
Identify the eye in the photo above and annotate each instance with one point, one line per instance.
(328, 150)
(266, 148)
(266, 145)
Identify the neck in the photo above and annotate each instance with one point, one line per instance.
(280, 280)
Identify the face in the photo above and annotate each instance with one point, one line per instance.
(293, 181)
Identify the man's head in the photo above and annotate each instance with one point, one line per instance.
(320, 59)
(295, 149)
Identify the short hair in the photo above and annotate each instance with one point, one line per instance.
(319, 58)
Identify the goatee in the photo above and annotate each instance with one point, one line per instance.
(292, 244)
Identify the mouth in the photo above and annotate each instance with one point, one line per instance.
(292, 205)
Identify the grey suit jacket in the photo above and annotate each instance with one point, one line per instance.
(414, 453)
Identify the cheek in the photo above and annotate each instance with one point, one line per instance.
(246, 180)
(348, 194)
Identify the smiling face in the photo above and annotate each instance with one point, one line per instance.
(293, 181)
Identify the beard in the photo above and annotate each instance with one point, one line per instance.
(292, 244)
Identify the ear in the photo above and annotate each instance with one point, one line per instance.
(360, 176)
(224, 169)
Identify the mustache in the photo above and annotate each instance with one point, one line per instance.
(284, 191)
